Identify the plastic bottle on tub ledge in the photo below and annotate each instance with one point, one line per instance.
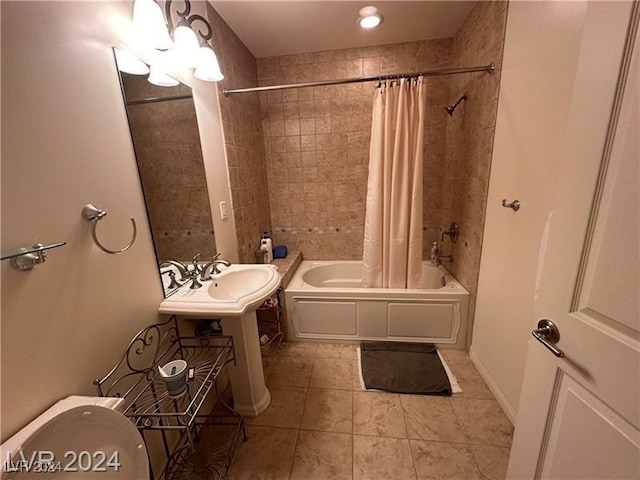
(266, 245)
(435, 254)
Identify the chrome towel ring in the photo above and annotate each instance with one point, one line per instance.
(93, 214)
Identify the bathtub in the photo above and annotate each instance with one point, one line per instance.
(325, 300)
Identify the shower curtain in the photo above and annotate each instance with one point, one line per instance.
(392, 256)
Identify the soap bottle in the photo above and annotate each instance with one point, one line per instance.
(435, 254)
(267, 245)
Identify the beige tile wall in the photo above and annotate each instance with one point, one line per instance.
(169, 157)
(317, 141)
(470, 132)
(242, 124)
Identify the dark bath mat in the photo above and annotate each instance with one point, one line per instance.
(403, 368)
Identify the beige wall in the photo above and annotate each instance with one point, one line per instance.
(66, 143)
(243, 139)
(536, 92)
(465, 174)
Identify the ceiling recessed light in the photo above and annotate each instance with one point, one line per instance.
(369, 17)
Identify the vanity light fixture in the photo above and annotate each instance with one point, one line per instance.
(149, 22)
(369, 17)
(184, 51)
(208, 68)
(195, 55)
(129, 63)
(159, 77)
(185, 46)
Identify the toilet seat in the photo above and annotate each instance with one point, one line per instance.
(85, 441)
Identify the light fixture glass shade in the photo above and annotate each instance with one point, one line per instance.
(149, 21)
(369, 17)
(185, 46)
(208, 68)
(129, 63)
(371, 21)
(158, 77)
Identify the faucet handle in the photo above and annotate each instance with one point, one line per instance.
(216, 256)
(194, 261)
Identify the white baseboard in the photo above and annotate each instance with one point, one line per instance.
(501, 398)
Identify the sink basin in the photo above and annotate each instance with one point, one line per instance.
(235, 284)
(238, 289)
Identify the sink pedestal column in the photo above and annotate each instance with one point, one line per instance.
(250, 394)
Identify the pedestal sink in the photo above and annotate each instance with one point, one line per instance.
(233, 296)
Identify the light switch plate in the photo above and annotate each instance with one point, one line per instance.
(223, 210)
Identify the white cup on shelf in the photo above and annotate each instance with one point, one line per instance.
(174, 375)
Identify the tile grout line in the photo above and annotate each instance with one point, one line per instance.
(353, 427)
(468, 439)
(295, 449)
(404, 419)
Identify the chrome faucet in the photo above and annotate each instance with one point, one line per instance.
(212, 268)
(445, 258)
(186, 274)
(436, 258)
(182, 268)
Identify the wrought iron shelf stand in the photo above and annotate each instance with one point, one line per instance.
(270, 321)
(150, 407)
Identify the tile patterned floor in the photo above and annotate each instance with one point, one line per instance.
(321, 425)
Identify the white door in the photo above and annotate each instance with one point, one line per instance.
(579, 415)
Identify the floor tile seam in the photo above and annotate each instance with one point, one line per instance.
(353, 429)
(315, 430)
(465, 396)
(475, 462)
(274, 426)
(469, 451)
(295, 449)
(334, 358)
(413, 460)
(404, 417)
(313, 366)
(480, 444)
(306, 389)
(379, 436)
(441, 441)
(415, 471)
(330, 388)
(460, 423)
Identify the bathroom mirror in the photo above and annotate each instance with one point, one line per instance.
(164, 132)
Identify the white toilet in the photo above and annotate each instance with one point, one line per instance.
(78, 437)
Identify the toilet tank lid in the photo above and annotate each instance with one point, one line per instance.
(14, 442)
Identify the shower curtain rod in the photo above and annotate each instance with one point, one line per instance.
(491, 68)
(159, 99)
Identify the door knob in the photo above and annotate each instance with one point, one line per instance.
(547, 333)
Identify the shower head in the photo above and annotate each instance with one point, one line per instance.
(451, 108)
